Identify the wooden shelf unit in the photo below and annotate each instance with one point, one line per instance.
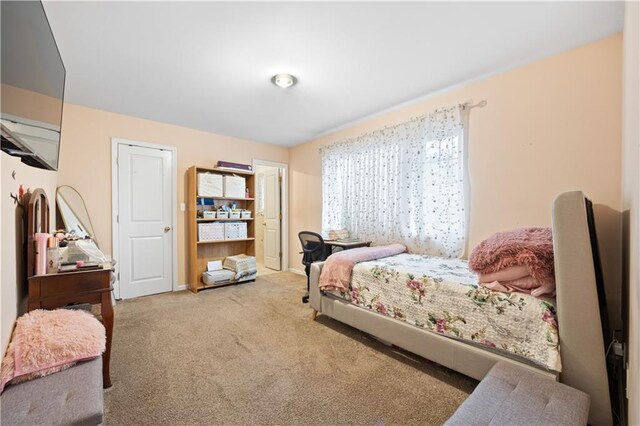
(203, 220)
(222, 284)
(225, 241)
(201, 252)
(228, 198)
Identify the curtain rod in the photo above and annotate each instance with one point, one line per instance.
(465, 106)
(470, 104)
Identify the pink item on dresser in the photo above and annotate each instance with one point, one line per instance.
(45, 342)
(336, 273)
(40, 251)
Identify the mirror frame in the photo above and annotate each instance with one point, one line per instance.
(89, 229)
(37, 219)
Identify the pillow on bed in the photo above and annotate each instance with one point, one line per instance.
(529, 247)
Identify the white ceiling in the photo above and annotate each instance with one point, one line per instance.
(208, 65)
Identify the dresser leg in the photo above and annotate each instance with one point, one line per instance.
(107, 320)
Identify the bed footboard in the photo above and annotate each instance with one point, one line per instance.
(469, 360)
(580, 328)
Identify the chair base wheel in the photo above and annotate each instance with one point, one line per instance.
(305, 299)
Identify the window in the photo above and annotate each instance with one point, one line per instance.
(403, 184)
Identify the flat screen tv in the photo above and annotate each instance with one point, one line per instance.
(33, 78)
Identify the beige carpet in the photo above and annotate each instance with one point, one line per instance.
(249, 354)
(263, 270)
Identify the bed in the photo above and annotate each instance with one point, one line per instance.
(579, 332)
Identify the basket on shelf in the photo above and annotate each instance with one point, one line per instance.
(211, 231)
(235, 230)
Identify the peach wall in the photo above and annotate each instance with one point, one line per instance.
(550, 126)
(28, 104)
(13, 289)
(85, 160)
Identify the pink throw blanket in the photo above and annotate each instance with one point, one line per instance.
(518, 260)
(336, 272)
(45, 342)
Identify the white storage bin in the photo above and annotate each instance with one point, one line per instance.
(234, 187)
(234, 215)
(235, 230)
(209, 214)
(210, 185)
(244, 266)
(223, 214)
(246, 214)
(217, 277)
(211, 231)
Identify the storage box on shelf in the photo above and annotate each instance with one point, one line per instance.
(210, 185)
(235, 230)
(213, 231)
(207, 232)
(234, 186)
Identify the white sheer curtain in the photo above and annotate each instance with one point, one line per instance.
(404, 184)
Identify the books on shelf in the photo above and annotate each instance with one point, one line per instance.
(227, 165)
(230, 170)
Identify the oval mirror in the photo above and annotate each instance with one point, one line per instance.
(73, 213)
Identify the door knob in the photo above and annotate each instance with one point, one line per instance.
(167, 228)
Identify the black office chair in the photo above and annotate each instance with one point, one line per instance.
(313, 250)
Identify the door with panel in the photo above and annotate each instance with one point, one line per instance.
(272, 219)
(144, 220)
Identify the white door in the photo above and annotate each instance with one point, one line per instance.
(272, 217)
(145, 257)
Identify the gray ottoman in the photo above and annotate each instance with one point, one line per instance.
(70, 397)
(509, 395)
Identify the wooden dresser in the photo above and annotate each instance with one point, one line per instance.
(52, 291)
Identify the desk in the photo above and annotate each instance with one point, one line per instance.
(346, 245)
(59, 290)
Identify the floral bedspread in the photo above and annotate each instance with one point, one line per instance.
(441, 295)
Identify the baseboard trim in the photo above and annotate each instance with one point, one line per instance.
(182, 287)
(297, 271)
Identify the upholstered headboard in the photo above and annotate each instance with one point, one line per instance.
(582, 345)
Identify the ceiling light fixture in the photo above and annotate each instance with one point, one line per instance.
(284, 80)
